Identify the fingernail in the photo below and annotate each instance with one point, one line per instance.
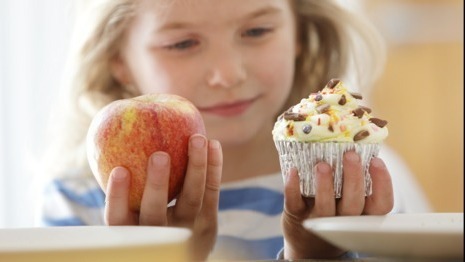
(291, 172)
(160, 159)
(198, 141)
(376, 162)
(214, 144)
(120, 175)
(323, 168)
(352, 156)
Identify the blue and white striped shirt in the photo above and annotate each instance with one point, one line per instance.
(248, 218)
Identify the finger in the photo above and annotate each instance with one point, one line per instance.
(294, 205)
(206, 222)
(117, 198)
(155, 197)
(213, 180)
(190, 199)
(353, 189)
(381, 201)
(325, 204)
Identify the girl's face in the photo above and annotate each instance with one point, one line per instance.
(234, 59)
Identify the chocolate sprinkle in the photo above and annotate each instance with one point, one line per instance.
(379, 122)
(361, 135)
(307, 129)
(366, 109)
(333, 83)
(358, 112)
(323, 108)
(294, 116)
(356, 95)
(361, 110)
(330, 128)
(343, 100)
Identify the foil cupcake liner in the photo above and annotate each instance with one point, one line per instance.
(304, 156)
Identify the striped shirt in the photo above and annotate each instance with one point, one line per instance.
(248, 218)
(249, 210)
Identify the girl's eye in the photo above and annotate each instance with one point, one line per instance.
(183, 45)
(256, 32)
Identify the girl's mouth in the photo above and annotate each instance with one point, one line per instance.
(232, 109)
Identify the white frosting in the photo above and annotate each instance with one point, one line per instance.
(337, 123)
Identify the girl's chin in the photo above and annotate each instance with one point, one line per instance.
(231, 136)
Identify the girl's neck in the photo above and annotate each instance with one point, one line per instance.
(255, 158)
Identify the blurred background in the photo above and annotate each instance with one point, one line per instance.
(420, 93)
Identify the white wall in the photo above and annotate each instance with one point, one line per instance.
(34, 38)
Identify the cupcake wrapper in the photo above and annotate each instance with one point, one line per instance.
(304, 156)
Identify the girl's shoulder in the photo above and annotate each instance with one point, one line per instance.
(76, 188)
(71, 200)
(76, 180)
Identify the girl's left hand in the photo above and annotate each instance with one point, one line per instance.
(301, 243)
(196, 206)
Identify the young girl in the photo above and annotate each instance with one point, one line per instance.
(241, 63)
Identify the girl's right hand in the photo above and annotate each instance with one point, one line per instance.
(196, 206)
(300, 243)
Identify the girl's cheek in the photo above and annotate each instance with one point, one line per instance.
(275, 71)
(275, 63)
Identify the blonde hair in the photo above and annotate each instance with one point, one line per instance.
(333, 41)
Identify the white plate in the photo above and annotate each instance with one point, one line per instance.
(429, 235)
(94, 243)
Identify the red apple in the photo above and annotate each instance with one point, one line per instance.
(126, 132)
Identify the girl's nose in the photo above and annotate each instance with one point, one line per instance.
(226, 70)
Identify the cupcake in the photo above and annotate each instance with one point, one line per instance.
(321, 128)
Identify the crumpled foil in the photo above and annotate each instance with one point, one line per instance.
(305, 155)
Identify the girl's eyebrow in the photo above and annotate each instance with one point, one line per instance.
(174, 26)
(261, 12)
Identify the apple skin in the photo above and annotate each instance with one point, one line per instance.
(126, 132)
